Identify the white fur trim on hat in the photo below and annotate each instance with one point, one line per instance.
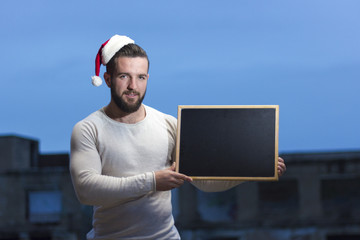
(113, 46)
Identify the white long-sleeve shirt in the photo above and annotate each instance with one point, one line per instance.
(112, 167)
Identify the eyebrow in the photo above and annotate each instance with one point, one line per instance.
(126, 73)
(120, 73)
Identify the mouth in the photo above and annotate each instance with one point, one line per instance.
(131, 94)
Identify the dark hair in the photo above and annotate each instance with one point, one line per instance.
(130, 50)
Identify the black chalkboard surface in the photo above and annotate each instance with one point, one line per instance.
(228, 142)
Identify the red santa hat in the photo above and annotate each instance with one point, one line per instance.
(106, 52)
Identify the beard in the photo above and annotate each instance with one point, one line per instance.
(123, 105)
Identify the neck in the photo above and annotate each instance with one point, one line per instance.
(115, 113)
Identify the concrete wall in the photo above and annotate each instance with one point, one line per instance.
(317, 198)
(17, 153)
(20, 176)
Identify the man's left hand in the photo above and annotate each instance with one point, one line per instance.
(281, 167)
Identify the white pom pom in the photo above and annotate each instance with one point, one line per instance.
(96, 81)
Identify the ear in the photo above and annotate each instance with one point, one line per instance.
(107, 78)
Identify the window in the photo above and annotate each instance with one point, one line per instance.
(218, 206)
(343, 237)
(44, 206)
(279, 197)
(341, 198)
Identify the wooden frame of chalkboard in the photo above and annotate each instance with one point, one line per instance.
(232, 142)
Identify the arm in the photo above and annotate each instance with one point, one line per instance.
(93, 188)
(168, 179)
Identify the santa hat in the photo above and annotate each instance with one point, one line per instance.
(106, 52)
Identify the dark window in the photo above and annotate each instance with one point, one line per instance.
(9, 238)
(223, 238)
(278, 197)
(41, 238)
(218, 206)
(340, 199)
(343, 237)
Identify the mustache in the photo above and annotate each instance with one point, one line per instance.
(131, 92)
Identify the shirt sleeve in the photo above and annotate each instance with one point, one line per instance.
(93, 188)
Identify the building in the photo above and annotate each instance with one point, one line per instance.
(37, 200)
(317, 199)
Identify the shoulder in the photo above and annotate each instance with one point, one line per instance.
(154, 113)
(90, 123)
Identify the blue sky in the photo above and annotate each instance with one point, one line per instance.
(301, 55)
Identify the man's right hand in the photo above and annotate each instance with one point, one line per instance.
(168, 179)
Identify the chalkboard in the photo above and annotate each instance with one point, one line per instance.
(228, 142)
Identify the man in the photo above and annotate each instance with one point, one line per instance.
(122, 154)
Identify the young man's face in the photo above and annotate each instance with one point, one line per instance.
(128, 83)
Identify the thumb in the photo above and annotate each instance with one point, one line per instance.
(172, 167)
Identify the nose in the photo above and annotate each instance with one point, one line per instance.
(132, 84)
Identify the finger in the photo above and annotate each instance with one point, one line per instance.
(175, 183)
(281, 167)
(281, 171)
(280, 160)
(281, 163)
(183, 177)
(186, 178)
(179, 182)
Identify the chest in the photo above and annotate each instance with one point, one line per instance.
(127, 151)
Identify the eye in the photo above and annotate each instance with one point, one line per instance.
(142, 77)
(123, 76)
